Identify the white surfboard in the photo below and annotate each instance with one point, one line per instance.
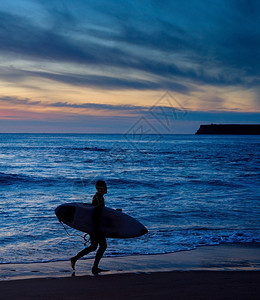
(112, 223)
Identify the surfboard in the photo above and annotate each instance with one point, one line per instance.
(112, 223)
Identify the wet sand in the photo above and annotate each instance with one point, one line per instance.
(211, 272)
(167, 285)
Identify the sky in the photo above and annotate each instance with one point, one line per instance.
(167, 66)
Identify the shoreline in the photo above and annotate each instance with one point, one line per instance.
(227, 271)
(223, 257)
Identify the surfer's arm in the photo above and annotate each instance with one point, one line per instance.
(98, 201)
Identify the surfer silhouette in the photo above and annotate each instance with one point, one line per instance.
(96, 239)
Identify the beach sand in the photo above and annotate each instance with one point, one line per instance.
(230, 271)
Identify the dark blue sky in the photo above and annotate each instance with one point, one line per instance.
(98, 66)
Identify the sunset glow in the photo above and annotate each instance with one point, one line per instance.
(64, 63)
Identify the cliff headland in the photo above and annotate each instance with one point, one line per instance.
(229, 129)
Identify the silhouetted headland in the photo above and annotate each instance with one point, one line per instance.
(229, 129)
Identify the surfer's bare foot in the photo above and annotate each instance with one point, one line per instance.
(72, 262)
(96, 270)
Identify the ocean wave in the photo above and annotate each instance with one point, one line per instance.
(201, 236)
(10, 179)
(115, 182)
(130, 182)
(231, 238)
(119, 253)
(214, 182)
(93, 149)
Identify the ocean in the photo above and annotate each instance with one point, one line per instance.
(188, 190)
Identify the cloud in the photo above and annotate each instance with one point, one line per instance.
(19, 36)
(18, 101)
(97, 81)
(93, 106)
(206, 52)
(170, 45)
(97, 106)
(159, 109)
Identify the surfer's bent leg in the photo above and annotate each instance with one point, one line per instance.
(102, 248)
(92, 247)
